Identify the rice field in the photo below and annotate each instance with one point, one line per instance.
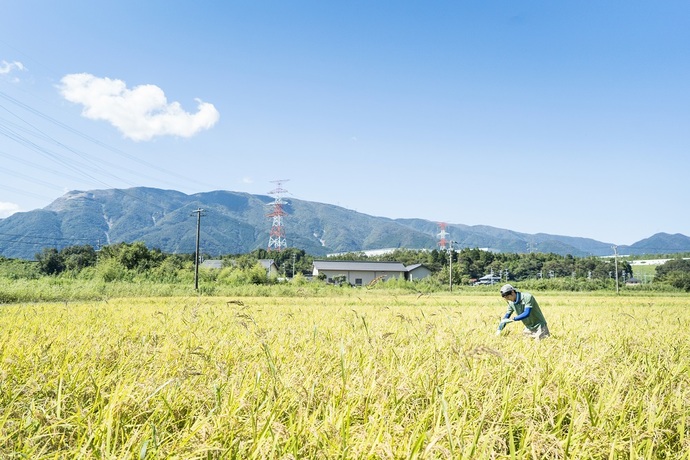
(363, 375)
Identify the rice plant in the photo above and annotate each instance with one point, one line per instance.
(363, 375)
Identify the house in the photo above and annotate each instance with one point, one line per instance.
(417, 272)
(211, 263)
(359, 273)
(632, 281)
(270, 266)
(487, 279)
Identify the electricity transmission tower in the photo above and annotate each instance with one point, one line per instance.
(276, 238)
(442, 236)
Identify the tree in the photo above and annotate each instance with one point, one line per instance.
(674, 265)
(473, 262)
(527, 266)
(585, 267)
(680, 280)
(285, 259)
(77, 258)
(50, 262)
(675, 272)
(558, 268)
(133, 255)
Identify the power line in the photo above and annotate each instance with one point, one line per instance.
(95, 165)
(11, 131)
(32, 240)
(87, 167)
(24, 192)
(88, 138)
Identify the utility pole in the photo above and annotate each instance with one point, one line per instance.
(615, 263)
(450, 265)
(198, 213)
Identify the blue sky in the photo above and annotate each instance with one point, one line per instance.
(567, 118)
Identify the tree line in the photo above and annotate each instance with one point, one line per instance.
(126, 261)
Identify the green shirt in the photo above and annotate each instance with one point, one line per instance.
(535, 318)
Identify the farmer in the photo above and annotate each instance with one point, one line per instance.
(525, 306)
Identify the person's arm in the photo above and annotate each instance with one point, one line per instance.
(524, 314)
(506, 319)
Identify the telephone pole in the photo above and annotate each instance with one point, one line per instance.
(615, 263)
(450, 265)
(199, 213)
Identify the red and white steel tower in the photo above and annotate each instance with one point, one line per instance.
(276, 238)
(442, 235)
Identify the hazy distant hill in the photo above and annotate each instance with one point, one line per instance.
(234, 222)
(660, 243)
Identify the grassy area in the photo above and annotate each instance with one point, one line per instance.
(644, 273)
(366, 374)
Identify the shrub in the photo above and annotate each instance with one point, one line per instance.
(680, 280)
(299, 279)
(111, 270)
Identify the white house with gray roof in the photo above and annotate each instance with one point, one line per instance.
(360, 273)
(417, 272)
(270, 266)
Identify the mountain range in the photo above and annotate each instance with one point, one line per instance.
(235, 222)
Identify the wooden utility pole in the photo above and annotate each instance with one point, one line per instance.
(615, 264)
(450, 265)
(198, 213)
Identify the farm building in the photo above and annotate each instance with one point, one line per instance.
(359, 273)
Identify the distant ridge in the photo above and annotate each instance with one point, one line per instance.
(236, 222)
(659, 243)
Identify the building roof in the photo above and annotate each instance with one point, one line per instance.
(266, 263)
(358, 265)
(210, 263)
(413, 267)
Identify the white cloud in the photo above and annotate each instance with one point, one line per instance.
(7, 67)
(141, 113)
(247, 180)
(7, 209)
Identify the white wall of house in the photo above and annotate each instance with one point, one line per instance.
(361, 273)
(419, 273)
(359, 278)
(270, 266)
